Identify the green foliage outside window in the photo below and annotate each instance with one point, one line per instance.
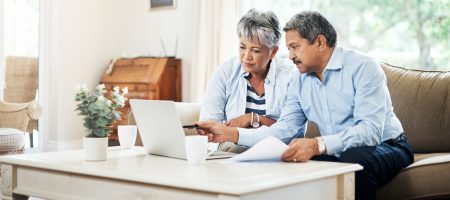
(408, 33)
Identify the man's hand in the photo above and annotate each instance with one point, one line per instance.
(217, 132)
(242, 121)
(301, 150)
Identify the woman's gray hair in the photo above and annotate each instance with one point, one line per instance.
(310, 24)
(260, 26)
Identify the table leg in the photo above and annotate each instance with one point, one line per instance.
(346, 186)
(8, 182)
(6, 171)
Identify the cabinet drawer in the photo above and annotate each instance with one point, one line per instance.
(131, 86)
(137, 95)
(142, 95)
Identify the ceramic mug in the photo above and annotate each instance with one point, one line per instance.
(196, 149)
(127, 135)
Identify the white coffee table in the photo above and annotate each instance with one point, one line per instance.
(132, 174)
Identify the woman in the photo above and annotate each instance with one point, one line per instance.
(250, 90)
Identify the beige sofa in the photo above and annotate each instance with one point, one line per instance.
(421, 101)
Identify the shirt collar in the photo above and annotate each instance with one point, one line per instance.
(335, 61)
(242, 72)
(272, 72)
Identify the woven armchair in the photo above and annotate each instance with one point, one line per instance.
(14, 118)
(22, 83)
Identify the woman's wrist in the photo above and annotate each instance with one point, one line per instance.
(255, 120)
(250, 119)
(267, 121)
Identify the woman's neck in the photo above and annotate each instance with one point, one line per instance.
(260, 76)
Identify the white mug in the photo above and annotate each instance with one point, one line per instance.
(127, 135)
(196, 149)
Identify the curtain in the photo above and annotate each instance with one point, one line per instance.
(216, 41)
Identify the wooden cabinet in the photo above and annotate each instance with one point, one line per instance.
(146, 78)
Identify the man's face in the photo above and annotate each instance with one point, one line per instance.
(302, 53)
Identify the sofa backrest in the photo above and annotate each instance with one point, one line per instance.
(421, 101)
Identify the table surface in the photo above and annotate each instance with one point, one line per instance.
(221, 176)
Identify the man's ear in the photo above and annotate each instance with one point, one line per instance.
(321, 42)
(273, 52)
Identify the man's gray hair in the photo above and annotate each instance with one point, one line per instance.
(262, 27)
(311, 24)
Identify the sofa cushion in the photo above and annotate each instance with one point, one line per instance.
(426, 178)
(11, 141)
(429, 159)
(421, 101)
(422, 181)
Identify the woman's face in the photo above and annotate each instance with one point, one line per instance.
(254, 56)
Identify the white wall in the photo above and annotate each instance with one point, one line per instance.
(85, 34)
(144, 29)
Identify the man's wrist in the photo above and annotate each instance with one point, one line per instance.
(321, 148)
(233, 135)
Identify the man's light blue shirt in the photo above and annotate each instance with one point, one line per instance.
(351, 106)
(226, 94)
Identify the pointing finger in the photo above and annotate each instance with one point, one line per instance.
(206, 124)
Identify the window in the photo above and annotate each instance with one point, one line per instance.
(21, 28)
(412, 34)
(19, 21)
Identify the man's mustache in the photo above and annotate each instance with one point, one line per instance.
(297, 62)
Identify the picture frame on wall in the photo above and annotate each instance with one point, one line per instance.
(162, 4)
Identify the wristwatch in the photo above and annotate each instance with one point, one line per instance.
(321, 145)
(255, 124)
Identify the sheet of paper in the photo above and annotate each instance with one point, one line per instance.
(270, 148)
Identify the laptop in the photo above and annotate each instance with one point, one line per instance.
(161, 129)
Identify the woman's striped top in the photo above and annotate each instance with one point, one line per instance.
(255, 103)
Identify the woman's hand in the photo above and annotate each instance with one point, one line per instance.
(242, 121)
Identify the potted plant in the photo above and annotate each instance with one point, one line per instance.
(99, 114)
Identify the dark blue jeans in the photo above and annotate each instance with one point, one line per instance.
(381, 164)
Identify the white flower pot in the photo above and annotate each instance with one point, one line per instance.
(95, 148)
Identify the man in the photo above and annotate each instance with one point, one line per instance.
(345, 93)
